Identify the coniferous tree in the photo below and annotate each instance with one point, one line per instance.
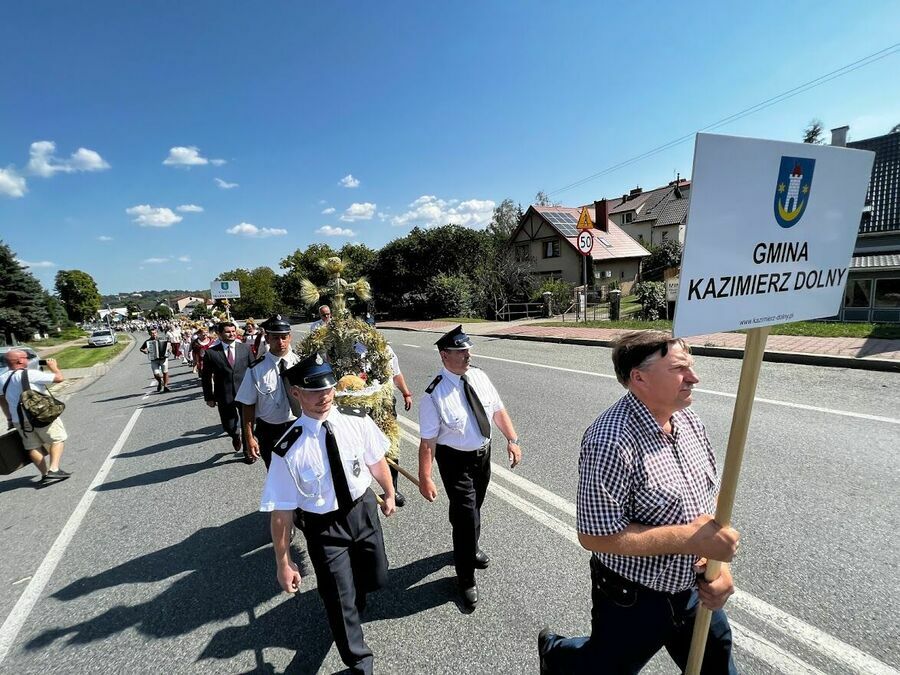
(23, 308)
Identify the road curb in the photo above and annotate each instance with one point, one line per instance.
(800, 358)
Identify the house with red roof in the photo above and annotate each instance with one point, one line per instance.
(547, 236)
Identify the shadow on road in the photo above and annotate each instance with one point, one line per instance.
(230, 573)
(169, 473)
(20, 482)
(187, 438)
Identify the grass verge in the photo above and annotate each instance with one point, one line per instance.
(801, 328)
(85, 357)
(67, 335)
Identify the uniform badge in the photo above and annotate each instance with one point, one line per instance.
(356, 468)
(319, 360)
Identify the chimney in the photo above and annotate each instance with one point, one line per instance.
(601, 215)
(839, 136)
(624, 198)
(635, 192)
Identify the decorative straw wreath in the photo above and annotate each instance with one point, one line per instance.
(364, 375)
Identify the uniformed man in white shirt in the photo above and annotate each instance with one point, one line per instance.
(267, 411)
(323, 466)
(454, 423)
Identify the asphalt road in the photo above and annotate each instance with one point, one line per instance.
(162, 563)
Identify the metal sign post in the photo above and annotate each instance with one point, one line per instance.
(585, 245)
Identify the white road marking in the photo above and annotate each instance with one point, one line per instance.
(770, 653)
(852, 659)
(32, 593)
(21, 581)
(771, 401)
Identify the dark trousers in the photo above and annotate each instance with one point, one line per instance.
(230, 416)
(465, 476)
(630, 623)
(267, 435)
(347, 552)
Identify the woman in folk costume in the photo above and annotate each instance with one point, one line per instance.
(199, 344)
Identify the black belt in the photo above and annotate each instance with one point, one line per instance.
(618, 588)
(271, 424)
(309, 515)
(478, 452)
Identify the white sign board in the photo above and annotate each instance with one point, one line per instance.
(770, 232)
(585, 242)
(225, 289)
(672, 289)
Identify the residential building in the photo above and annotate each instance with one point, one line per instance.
(654, 216)
(547, 235)
(188, 302)
(873, 282)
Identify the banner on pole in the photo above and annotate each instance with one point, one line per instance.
(770, 232)
(222, 289)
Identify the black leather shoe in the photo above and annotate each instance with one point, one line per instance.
(399, 499)
(469, 596)
(481, 560)
(544, 638)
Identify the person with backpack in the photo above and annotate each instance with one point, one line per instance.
(40, 441)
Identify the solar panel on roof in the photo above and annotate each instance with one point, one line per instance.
(568, 230)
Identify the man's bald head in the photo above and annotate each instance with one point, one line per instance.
(16, 358)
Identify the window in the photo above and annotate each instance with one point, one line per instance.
(858, 293)
(887, 292)
(665, 235)
(551, 248)
(628, 217)
(522, 253)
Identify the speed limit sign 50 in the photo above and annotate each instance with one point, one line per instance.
(585, 242)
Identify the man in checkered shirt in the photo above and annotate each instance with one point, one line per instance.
(647, 484)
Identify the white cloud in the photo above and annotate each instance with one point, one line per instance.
(153, 216)
(225, 185)
(188, 156)
(35, 265)
(430, 211)
(44, 163)
(103, 237)
(155, 261)
(356, 211)
(250, 230)
(184, 258)
(11, 183)
(328, 211)
(349, 181)
(330, 231)
(189, 208)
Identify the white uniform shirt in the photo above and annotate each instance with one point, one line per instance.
(444, 414)
(360, 349)
(263, 387)
(302, 478)
(36, 380)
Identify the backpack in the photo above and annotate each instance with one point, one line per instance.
(39, 409)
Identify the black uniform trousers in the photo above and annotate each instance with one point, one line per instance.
(267, 434)
(465, 475)
(230, 416)
(347, 551)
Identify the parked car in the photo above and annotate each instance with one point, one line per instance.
(102, 338)
(33, 358)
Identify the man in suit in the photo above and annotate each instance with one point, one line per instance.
(224, 366)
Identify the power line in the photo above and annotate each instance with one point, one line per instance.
(762, 105)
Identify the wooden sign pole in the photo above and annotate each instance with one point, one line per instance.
(740, 422)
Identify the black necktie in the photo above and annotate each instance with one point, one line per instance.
(338, 477)
(484, 425)
(296, 409)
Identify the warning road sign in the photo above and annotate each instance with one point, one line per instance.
(584, 221)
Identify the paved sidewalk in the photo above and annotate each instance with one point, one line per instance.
(864, 353)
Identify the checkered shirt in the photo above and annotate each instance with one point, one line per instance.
(631, 471)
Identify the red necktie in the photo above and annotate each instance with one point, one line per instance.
(231, 355)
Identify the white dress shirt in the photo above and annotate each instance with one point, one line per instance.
(263, 387)
(444, 414)
(302, 478)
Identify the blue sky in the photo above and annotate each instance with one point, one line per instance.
(436, 111)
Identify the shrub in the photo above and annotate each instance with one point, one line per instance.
(449, 295)
(652, 297)
(561, 294)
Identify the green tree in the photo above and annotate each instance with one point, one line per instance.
(200, 312)
(814, 132)
(259, 295)
(161, 311)
(449, 295)
(133, 309)
(543, 199)
(652, 297)
(505, 219)
(23, 302)
(56, 311)
(661, 258)
(78, 293)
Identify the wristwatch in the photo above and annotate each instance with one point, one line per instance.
(514, 441)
